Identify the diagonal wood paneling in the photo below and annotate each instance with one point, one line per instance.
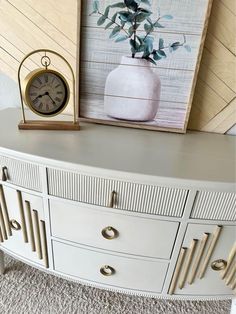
(26, 25)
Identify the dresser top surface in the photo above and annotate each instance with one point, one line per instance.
(193, 156)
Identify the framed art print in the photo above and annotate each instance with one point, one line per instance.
(139, 61)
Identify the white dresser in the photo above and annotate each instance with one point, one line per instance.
(127, 210)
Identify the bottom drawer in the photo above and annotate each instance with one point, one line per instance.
(125, 272)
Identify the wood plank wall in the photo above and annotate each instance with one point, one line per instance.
(26, 25)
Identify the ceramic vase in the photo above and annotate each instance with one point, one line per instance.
(132, 91)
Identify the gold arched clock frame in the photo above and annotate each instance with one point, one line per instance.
(24, 87)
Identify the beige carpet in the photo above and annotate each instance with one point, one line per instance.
(24, 290)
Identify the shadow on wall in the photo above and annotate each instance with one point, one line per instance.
(9, 93)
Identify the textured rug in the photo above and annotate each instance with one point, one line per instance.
(25, 290)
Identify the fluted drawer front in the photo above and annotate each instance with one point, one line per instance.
(215, 205)
(20, 173)
(125, 272)
(135, 197)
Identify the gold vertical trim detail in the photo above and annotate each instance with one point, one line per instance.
(233, 284)
(214, 240)
(229, 260)
(37, 234)
(189, 259)
(5, 212)
(177, 270)
(44, 243)
(1, 236)
(197, 261)
(30, 225)
(2, 224)
(22, 216)
(231, 274)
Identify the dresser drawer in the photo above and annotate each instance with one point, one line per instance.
(113, 231)
(20, 173)
(129, 273)
(214, 206)
(135, 197)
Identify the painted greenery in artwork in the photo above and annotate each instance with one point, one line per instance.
(133, 20)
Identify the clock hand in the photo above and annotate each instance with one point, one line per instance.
(47, 93)
(40, 96)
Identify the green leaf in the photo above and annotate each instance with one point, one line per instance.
(167, 17)
(131, 4)
(161, 53)
(147, 2)
(101, 20)
(106, 13)
(161, 43)
(141, 16)
(188, 48)
(109, 25)
(175, 45)
(125, 16)
(95, 6)
(157, 24)
(148, 28)
(156, 56)
(115, 32)
(121, 38)
(150, 60)
(118, 5)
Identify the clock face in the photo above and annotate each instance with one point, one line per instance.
(47, 93)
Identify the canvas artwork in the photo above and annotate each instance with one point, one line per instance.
(139, 61)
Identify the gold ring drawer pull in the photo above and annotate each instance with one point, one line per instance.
(15, 225)
(109, 233)
(107, 270)
(4, 174)
(219, 264)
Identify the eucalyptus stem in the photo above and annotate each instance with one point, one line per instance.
(107, 17)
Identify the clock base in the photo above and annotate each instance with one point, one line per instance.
(48, 125)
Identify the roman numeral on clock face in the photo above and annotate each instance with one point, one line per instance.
(58, 99)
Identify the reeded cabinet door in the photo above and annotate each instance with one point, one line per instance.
(22, 225)
(206, 263)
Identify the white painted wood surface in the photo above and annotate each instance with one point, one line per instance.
(138, 157)
(131, 273)
(135, 234)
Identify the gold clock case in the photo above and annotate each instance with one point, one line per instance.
(26, 86)
(48, 124)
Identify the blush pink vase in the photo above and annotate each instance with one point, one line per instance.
(132, 91)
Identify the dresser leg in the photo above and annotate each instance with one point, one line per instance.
(1, 262)
(233, 306)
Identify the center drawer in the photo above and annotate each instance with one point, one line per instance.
(112, 230)
(109, 269)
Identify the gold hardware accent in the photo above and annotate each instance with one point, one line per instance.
(231, 275)
(198, 258)
(37, 234)
(5, 212)
(233, 284)
(15, 225)
(109, 233)
(44, 243)
(210, 251)
(177, 270)
(219, 264)
(30, 225)
(188, 262)
(112, 199)
(4, 174)
(1, 236)
(2, 225)
(107, 270)
(229, 260)
(22, 216)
